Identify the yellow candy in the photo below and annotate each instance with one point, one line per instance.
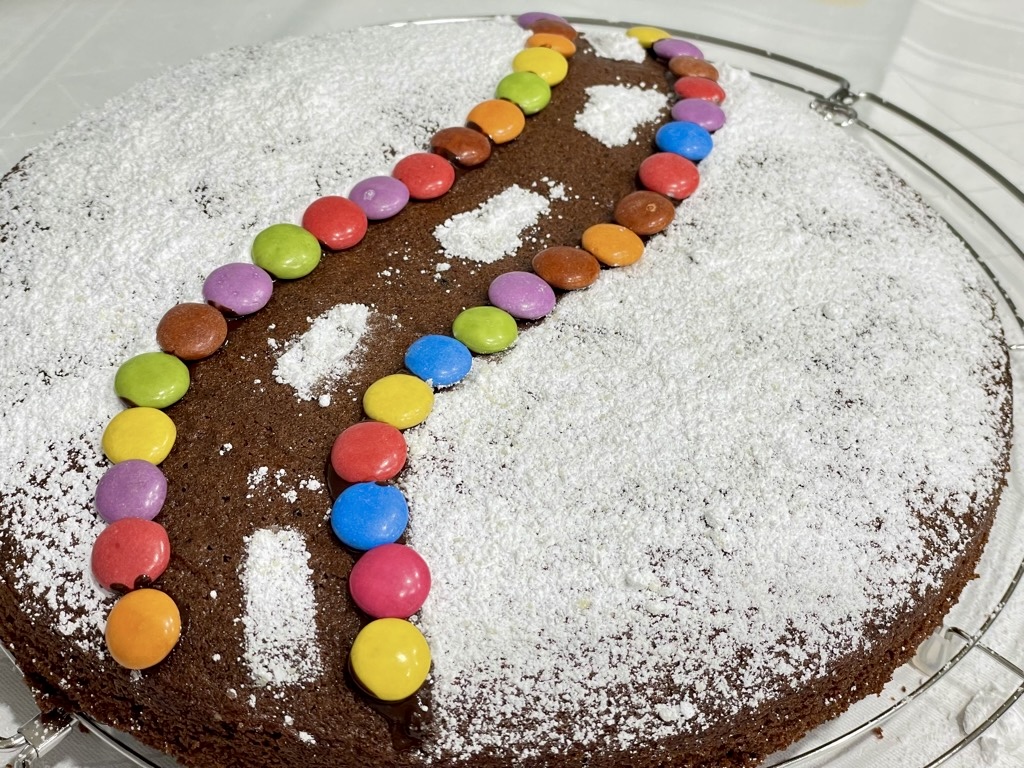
(142, 628)
(400, 400)
(613, 245)
(390, 659)
(139, 433)
(647, 36)
(550, 65)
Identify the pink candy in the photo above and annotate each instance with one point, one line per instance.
(390, 582)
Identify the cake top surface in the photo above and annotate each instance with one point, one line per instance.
(760, 410)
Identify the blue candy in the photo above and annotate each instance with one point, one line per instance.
(684, 138)
(440, 360)
(367, 515)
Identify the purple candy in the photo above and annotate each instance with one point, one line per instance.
(522, 294)
(380, 197)
(133, 488)
(238, 288)
(704, 113)
(527, 20)
(671, 47)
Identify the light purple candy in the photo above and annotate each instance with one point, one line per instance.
(704, 113)
(132, 488)
(671, 47)
(527, 20)
(521, 294)
(238, 288)
(380, 197)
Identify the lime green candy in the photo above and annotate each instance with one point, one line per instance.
(286, 251)
(485, 329)
(152, 379)
(526, 90)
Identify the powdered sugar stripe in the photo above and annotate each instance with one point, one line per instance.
(280, 610)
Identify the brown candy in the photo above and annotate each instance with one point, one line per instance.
(688, 66)
(461, 145)
(567, 268)
(553, 27)
(644, 212)
(191, 331)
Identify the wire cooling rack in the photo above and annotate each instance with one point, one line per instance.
(961, 688)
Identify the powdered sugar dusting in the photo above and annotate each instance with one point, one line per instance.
(280, 610)
(324, 353)
(492, 230)
(794, 369)
(614, 112)
(612, 44)
(143, 178)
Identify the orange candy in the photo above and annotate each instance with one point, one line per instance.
(559, 43)
(613, 244)
(499, 119)
(142, 628)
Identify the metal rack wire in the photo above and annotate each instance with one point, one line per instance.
(985, 233)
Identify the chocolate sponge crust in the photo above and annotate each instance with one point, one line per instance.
(185, 705)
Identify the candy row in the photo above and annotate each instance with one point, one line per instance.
(390, 658)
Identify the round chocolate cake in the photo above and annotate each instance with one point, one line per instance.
(707, 501)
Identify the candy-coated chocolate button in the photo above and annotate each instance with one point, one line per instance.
(691, 66)
(390, 581)
(613, 244)
(238, 288)
(335, 221)
(567, 268)
(380, 197)
(501, 120)
(669, 174)
(139, 433)
(670, 47)
(461, 145)
(699, 88)
(521, 294)
(152, 379)
(439, 360)
(286, 251)
(686, 139)
(367, 515)
(192, 331)
(142, 628)
(526, 20)
(526, 90)
(704, 113)
(427, 176)
(130, 554)
(485, 329)
(549, 64)
(645, 212)
(133, 488)
(400, 400)
(559, 43)
(647, 36)
(368, 451)
(554, 25)
(390, 659)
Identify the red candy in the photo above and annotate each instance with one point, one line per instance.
(390, 582)
(130, 553)
(699, 88)
(335, 221)
(427, 175)
(669, 174)
(370, 451)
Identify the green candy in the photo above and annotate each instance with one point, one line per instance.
(286, 251)
(526, 90)
(485, 329)
(152, 379)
